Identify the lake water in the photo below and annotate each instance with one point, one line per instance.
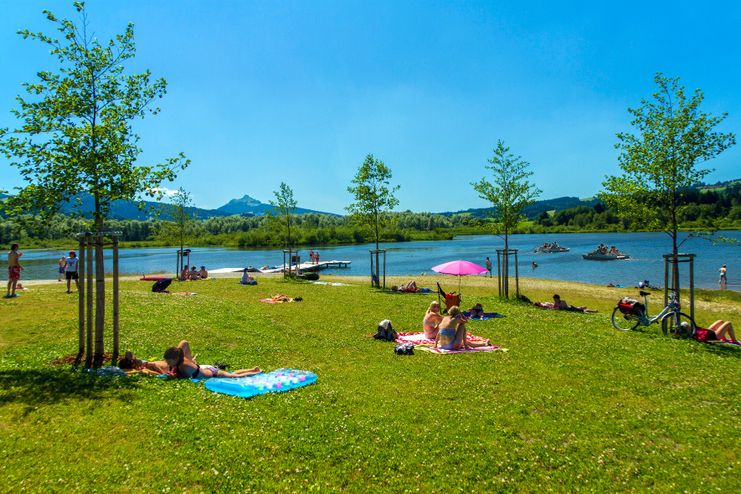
(414, 258)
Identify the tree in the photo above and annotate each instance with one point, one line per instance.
(285, 204)
(374, 198)
(659, 162)
(509, 194)
(76, 135)
(183, 223)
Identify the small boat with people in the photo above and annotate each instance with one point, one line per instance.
(549, 248)
(603, 253)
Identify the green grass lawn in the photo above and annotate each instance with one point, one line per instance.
(573, 405)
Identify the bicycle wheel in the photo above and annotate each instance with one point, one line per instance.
(678, 325)
(624, 322)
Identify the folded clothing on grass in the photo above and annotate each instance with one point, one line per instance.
(277, 381)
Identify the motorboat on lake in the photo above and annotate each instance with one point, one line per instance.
(602, 253)
(548, 248)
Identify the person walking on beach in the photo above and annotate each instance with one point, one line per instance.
(14, 270)
(70, 271)
(723, 280)
(62, 267)
(488, 265)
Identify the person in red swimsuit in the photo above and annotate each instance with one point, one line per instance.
(14, 270)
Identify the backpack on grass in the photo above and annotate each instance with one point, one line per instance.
(385, 331)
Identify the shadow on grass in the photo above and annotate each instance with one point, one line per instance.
(42, 387)
(721, 349)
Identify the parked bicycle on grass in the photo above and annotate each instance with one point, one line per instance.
(630, 313)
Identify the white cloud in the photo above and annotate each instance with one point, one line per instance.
(165, 191)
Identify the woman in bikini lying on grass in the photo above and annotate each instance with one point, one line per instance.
(181, 363)
(152, 368)
(452, 332)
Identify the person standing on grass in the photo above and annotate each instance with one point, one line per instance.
(70, 271)
(14, 270)
(488, 265)
(62, 267)
(723, 280)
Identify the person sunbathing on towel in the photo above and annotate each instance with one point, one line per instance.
(716, 332)
(182, 364)
(285, 298)
(559, 304)
(452, 332)
(432, 320)
(153, 368)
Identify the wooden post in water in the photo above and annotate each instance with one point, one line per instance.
(114, 359)
(89, 301)
(80, 298)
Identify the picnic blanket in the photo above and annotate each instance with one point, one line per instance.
(487, 315)
(420, 341)
(440, 351)
(277, 381)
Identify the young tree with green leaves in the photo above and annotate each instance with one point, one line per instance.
(182, 224)
(509, 193)
(374, 198)
(285, 204)
(660, 161)
(75, 133)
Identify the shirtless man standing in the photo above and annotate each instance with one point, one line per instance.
(14, 270)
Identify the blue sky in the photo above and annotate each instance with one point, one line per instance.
(271, 91)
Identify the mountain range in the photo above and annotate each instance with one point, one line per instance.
(250, 206)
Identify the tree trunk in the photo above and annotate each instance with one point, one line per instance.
(505, 267)
(99, 290)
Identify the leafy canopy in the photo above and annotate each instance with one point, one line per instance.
(285, 204)
(659, 160)
(510, 190)
(75, 124)
(374, 196)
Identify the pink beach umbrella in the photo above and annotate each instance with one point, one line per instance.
(459, 268)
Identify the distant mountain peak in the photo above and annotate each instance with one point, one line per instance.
(245, 200)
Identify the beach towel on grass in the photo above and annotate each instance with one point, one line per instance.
(421, 339)
(440, 351)
(277, 381)
(487, 315)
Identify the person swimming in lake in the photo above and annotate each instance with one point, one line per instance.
(452, 332)
(182, 364)
(432, 320)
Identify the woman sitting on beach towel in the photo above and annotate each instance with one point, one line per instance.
(452, 332)
(182, 364)
(432, 320)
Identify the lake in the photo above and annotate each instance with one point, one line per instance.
(416, 258)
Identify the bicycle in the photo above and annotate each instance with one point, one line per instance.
(628, 316)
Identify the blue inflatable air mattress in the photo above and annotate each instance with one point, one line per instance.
(277, 381)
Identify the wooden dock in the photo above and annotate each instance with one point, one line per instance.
(310, 266)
